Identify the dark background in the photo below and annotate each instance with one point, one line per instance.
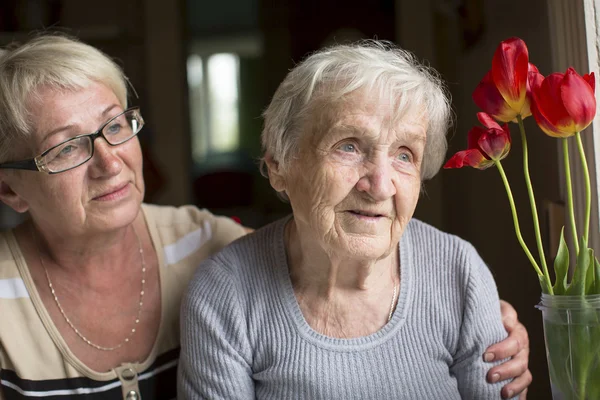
(151, 40)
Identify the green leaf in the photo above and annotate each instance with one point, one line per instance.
(561, 265)
(596, 288)
(590, 276)
(577, 286)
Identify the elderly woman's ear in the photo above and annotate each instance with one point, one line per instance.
(276, 178)
(9, 197)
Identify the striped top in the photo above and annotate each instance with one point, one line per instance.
(244, 335)
(35, 361)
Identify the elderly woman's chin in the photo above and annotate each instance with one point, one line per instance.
(367, 237)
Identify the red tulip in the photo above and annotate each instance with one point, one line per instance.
(485, 145)
(503, 92)
(488, 98)
(532, 74)
(564, 104)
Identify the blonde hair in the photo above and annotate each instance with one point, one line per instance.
(49, 60)
(369, 65)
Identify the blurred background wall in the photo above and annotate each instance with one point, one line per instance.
(205, 70)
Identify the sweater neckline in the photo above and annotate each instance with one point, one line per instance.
(293, 311)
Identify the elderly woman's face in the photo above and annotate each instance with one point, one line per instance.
(356, 181)
(102, 194)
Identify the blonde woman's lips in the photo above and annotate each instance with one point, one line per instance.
(115, 193)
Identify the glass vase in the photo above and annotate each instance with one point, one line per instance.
(572, 335)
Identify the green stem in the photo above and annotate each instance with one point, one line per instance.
(534, 212)
(583, 381)
(569, 190)
(588, 191)
(516, 222)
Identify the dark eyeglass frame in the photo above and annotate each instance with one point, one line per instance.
(37, 164)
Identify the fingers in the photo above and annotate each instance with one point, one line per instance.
(518, 386)
(509, 316)
(515, 346)
(517, 340)
(523, 395)
(513, 368)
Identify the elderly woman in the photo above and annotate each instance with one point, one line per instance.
(91, 283)
(350, 297)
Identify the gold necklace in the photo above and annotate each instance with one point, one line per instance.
(139, 311)
(393, 302)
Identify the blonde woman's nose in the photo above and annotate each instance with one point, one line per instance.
(105, 160)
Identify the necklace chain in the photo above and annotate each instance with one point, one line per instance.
(139, 311)
(393, 303)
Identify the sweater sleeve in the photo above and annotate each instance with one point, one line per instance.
(215, 359)
(481, 327)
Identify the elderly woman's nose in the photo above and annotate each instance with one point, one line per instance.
(105, 161)
(377, 182)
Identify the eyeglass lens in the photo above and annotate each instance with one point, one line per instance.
(78, 150)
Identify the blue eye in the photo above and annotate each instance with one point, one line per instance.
(70, 149)
(348, 148)
(67, 149)
(404, 156)
(113, 129)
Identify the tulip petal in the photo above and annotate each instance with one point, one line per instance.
(507, 132)
(578, 98)
(473, 137)
(495, 144)
(487, 97)
(545, 125)
(591, 79)
(468, 158)
(509, 72)
(550, 105)
(533, 78)
(487, 121)
(531, 68)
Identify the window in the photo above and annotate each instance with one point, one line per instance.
(576, 44)
(213, 83)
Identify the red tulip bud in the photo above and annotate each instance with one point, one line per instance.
(485, 145)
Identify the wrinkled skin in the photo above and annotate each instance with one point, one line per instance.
(81, 201)
(356, 160)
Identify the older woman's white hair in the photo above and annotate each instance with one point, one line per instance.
(374, 66)
(55, 61)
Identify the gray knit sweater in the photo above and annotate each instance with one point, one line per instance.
(244, 337)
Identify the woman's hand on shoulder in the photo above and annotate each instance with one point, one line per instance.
(515, 348)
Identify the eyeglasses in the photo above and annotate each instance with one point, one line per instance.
(78, 150)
